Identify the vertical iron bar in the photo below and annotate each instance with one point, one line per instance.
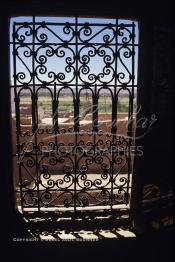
(95, 119)
(114, 115)
(17, 112)
(95, 110)
(55, 116)
(34, 111)
(130, 113)
(76, 111)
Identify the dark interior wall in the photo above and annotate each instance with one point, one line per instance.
(156, 9)
(154, 95)
(153, 172)
(160, 104)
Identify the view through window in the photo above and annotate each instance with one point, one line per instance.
(73, 103)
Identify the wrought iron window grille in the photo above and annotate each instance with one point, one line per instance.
(76, 166)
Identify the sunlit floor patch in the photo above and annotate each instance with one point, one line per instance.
(47, 237)
(125, 233)
(107, 234)
(87, 235)
(65, 236)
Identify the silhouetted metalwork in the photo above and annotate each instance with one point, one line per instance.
(57, 173)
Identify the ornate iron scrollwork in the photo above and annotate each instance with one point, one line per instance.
(68, 167)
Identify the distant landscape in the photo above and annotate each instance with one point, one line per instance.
(66, 106)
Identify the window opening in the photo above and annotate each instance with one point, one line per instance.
(73, 89)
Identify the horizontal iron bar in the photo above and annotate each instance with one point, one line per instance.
(72, 85)
(74, 24)
(91, 44)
